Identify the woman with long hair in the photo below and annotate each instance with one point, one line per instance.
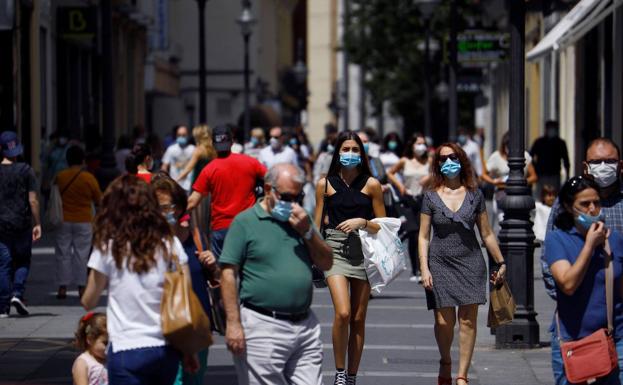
(132, 246)
(414, 167)
(576, 257)
(353, 198)
(203, 154)
(454, 272)
(140, 162)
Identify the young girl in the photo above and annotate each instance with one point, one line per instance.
(91, 339)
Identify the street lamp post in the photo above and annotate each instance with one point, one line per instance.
(300, 75)
(246, 22)
(202, 63)
(516, 236)
(109, 165)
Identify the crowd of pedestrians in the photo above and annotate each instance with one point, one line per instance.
(219, 207)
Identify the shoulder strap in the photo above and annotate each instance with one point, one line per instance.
(609, 284)
(324, 204)
(71, 181)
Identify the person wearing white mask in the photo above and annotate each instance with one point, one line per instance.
(603, 163)
(414, 167)
(277, 152)
(177, 156)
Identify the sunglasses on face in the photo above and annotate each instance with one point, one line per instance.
(453, 157)
(287, 197)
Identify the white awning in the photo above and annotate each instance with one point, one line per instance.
(602, 11)
(552, 40)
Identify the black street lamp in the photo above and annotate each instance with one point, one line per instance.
(427, 7)
(246, 22)
(516, 236)
(300, 75)
(202, 63)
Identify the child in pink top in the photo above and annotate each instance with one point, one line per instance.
(91, 338)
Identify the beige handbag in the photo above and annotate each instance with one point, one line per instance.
(501, 306)
(184, 323)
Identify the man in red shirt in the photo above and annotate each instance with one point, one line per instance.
(230, 179)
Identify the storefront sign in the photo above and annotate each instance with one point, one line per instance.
(481, 46)
(77, 22)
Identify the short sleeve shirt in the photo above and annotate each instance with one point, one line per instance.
(231, 183)
(584, 312)
(79, 196)
(16, 181)
(177, 157)
(133, 310)
(497, 166)
(274, 262)
(270, 158)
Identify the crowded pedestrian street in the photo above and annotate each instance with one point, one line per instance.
(400, 345)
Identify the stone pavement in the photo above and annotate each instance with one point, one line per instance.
(400, 345)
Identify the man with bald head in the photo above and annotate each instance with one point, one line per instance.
(273, 334)
(276, 151)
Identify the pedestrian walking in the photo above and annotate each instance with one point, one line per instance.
(140, 162)
(230, 180)
(353, 198)
(277, 151)
(20, 224)
(576, 257)
(80, 194)
(603, 163)
(172, 200)
(414, 167)
(256, 143)
(472, 149)
(454, 272)
(202, 155)
(496, 171)
(547, 153)
(177, 156)
(124, 148)
(273, 334)
(53, 160)
(325, 154)
(132, 246)
(391, 150)
(542, 211)
(89, 368)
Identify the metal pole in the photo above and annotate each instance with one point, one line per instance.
(109, 165)
(247, 110)
(453, 98)
(202, 64)
(427, 117)
(516, 236)
(345, 64)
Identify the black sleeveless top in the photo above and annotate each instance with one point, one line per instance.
(348, 202)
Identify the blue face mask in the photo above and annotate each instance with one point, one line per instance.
(586, 220)
(282, 210)
(392, 145)
(462, 139)
(293, 142)
(254, 141)
(181, 140)
(170, 217)
(450, 169)
(366, 147)
(330, 148)
(350, 159)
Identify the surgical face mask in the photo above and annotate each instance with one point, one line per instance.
(274, 143)
(586, 220)
(293, 142)
(392, 145)
(182, 140)
(450, 169)
(366, 147)
(350, 159)
(462, 139)
(330, 148)
(605, 174)
(282, 210)
(254, 141)
(419, 149)
(170, 217)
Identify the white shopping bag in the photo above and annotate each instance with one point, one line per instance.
(54, 213)
(384, 256)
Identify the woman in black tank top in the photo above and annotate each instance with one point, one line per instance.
(352, 198)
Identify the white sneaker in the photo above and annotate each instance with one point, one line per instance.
(4, 315)
(19, 306)
(340, 378)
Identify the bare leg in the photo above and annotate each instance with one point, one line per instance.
(468, 315)
(360, 294)
(338, 286)
(445, 318)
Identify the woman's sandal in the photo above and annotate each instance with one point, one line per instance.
(462, 378)
(444, 380)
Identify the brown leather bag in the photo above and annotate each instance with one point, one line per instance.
(595, 355)
(184, 323)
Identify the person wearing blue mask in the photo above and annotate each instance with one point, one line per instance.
(177, 156)
(576, 258)
(352, 198)
(454, 272)
(270, 248)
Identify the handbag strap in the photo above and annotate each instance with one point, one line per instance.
(71, 181)
(324, 204)
(609, 290)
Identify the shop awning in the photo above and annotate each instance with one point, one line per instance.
(602, 11)
(575, 17)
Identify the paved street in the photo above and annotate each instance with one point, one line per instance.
(400, 345)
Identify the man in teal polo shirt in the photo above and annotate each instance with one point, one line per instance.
(274, 336)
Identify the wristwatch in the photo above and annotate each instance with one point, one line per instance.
(309, 233)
